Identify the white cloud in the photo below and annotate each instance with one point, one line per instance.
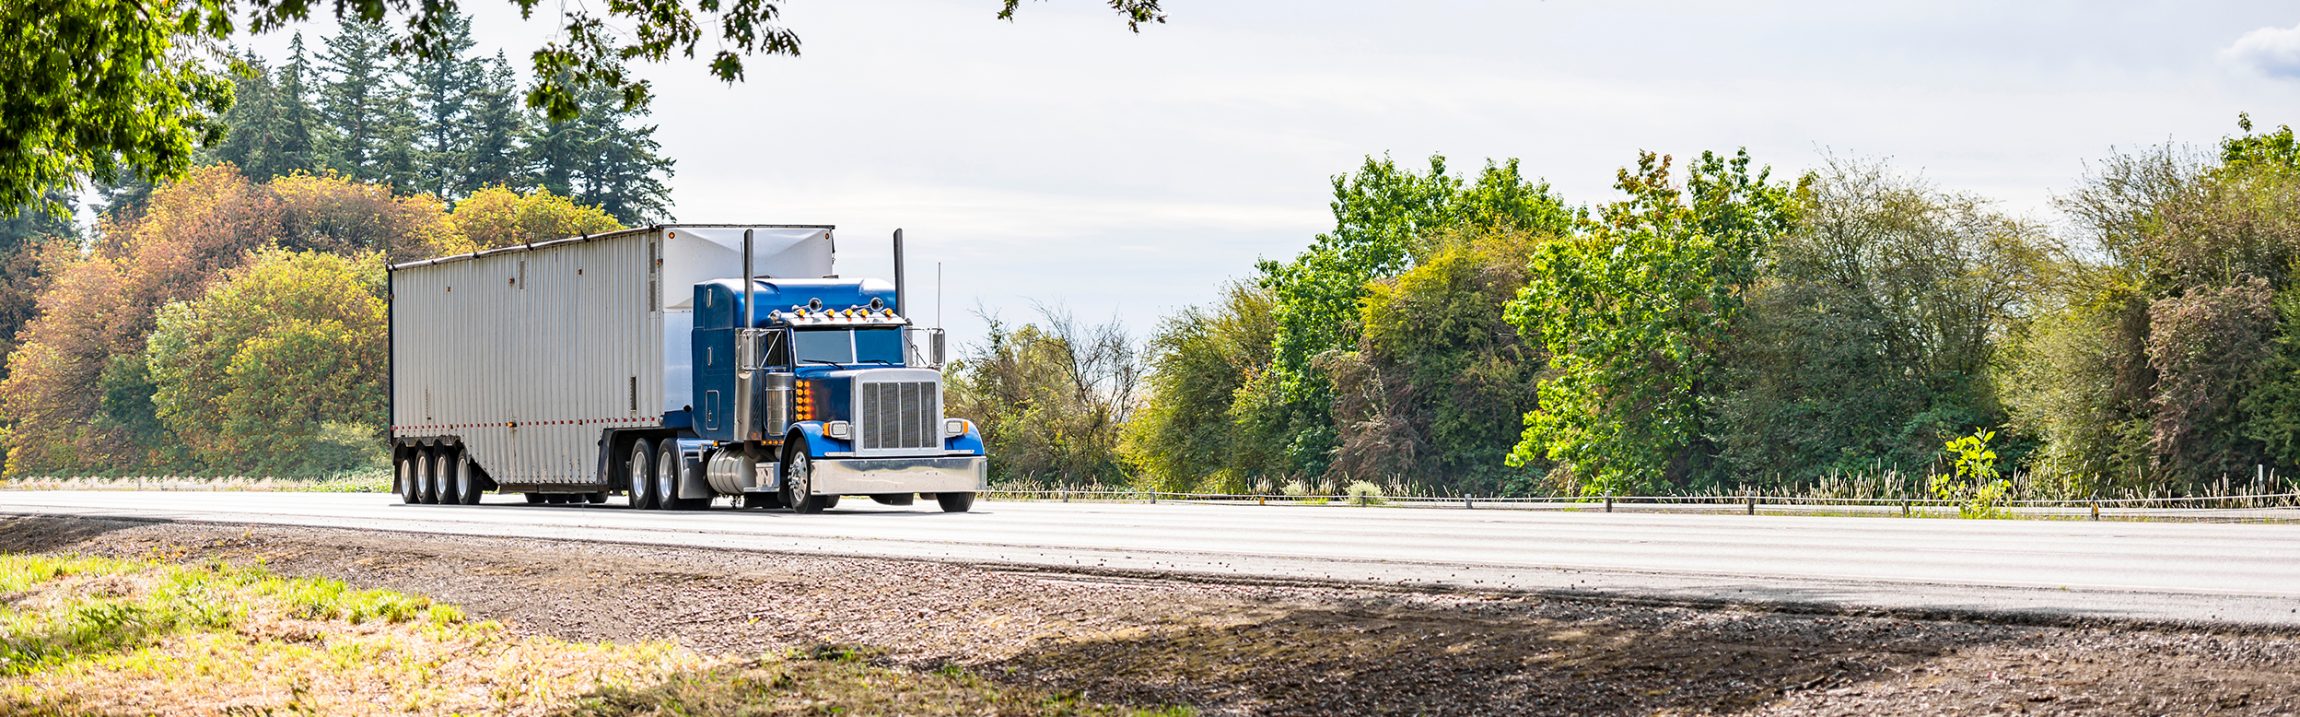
(2272, 51)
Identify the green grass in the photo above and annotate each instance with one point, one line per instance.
(81, 635)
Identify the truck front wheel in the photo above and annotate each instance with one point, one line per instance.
(955, 502)
(799, 480)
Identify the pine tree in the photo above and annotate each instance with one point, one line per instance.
(250, 125)
(497, 119)
(301, 133)
(444, 86)
(398, 161)
(604, 157)
(269, 128)
(356, 97)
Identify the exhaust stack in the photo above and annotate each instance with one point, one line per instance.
(750, 315)
(899, 303)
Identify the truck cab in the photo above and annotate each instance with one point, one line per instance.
(807, 390)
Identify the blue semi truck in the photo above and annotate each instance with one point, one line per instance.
(672, 365)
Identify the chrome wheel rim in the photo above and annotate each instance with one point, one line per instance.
(800, 477)
(640, 484)
(666, 478)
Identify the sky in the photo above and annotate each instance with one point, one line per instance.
(1059, 160)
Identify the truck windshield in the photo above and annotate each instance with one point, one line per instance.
(848, 345)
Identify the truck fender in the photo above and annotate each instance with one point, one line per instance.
(817, 443)
(692, 483)
(968, 442)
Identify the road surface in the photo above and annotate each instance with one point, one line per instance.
(2181, 572)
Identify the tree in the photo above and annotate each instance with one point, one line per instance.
(1379, 214)
(78, 393)
(1183, 439)
(492, 155)
(356, 98)
(1634, 313)
(251, 372)
(1051, 398)
(1890, 298)
(1433, 397)
(498, 216)
(444, 84)
(2208, 347)
(604, 158)
(268, 132)
(103, 88)
(31, 243)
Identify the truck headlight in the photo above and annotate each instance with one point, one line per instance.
(841, 430)
(953, 427)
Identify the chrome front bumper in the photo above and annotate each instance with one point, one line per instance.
(866, 476)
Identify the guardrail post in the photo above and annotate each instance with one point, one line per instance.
(1609, 502)
(1465, 503)
(1752, 504)
(1261, 500)
(2096, 509)
(1904, 507)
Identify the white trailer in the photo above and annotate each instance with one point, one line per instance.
(509, 365)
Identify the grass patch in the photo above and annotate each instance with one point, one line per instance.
(103, 636)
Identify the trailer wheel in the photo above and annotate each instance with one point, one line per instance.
(640, 466)
(410, 488)
(444, 476)
(955, 502)
(668, 465)
(799, 480)
(467, 490)
(430, 471)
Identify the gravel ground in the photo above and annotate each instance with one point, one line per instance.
(1263, 648)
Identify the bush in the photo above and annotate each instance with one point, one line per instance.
(1364, 493)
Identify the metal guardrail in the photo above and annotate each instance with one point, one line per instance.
(2262, 506)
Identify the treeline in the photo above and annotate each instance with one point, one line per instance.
(230, 326)
(232, 322)
(1714, 327)
(448, 126)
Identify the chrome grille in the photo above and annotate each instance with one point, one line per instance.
(899, 415)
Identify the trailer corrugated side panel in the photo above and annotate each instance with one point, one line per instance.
(509, 352)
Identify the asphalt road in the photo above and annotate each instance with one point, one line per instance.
(2180, 572)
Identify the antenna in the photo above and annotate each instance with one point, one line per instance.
(938, 294)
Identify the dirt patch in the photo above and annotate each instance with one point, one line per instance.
(1262, 649)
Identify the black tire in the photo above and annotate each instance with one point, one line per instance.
(670, 470)
(798, 479)
(640, 466)
(533, 498)
(829, 501)
(955, 502)
(443, 476)
(430, 472)
(467, 490)
(410, 484)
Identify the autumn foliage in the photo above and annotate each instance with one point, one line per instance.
(230, 326)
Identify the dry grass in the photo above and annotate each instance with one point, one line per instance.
(106, 636)
(378, 481)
